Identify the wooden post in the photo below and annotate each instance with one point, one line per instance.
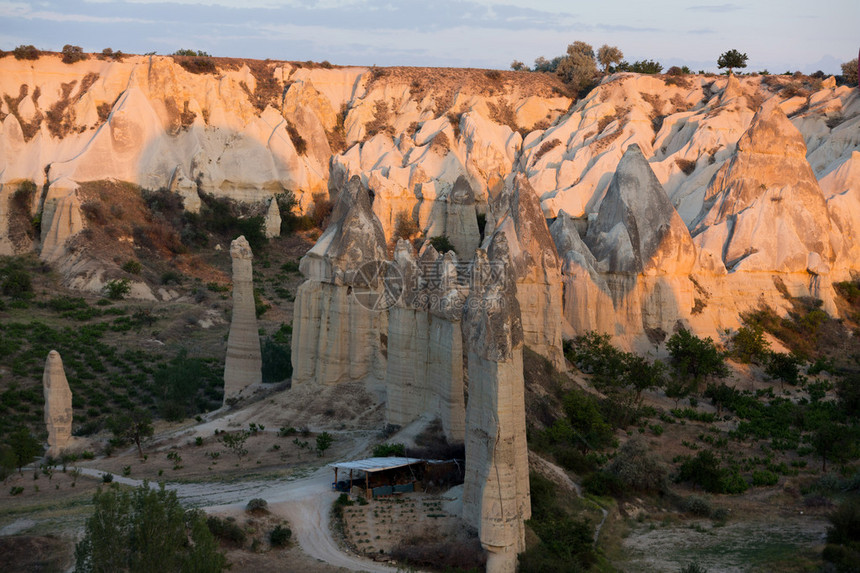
(335, 478)
(367, 484)
(350, 479)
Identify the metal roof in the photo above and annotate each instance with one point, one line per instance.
(376, 464)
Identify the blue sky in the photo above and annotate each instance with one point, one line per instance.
(777, 35)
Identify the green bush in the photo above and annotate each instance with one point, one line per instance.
(116, 289)
(694, 358)
(277, 364)
(226, 530)
(280, 536)
(749, 344)
(764, 478)
(636, 468)
(72, 54)
(26, 52)
(257, 505)
(132, 266)
(442, 244)
(388, 450)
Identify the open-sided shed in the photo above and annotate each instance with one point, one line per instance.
(380, 476)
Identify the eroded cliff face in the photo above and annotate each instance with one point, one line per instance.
(58, 405)
(763, 177)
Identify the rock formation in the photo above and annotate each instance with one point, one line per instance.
(424, 372)
(535, 265)
(244, 364)
(630, 276)
(496, 490)
(339, 314)
(765, 213)
(58, 405)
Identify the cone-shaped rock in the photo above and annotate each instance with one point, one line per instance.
(340, 310)
(496, 489)
(764, 209)
(535, 266)
(58, 404)
(353, 237)
(637, 229)
(243, 366)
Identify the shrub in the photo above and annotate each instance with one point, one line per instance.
(687, 166)
(442, 244)
(849, 72)
(698, 506)
(298, 141)
(322, 209)
(783, 367)
(257, 505)
(324, 442)
(72, 54)
(108, 53)
(116, 289)
(277, 364)
(638, 470)
(703, 470)
(764, 478)
(17, 284)
(280, 536)
(226, 531)
(748, 343)
(405, 226)
(387, 450)
(28, 52)
(695, 358)
(132, 266)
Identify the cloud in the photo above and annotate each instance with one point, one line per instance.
(17, 10)
(714, 8)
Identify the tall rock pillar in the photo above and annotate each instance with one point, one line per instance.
(244, 364)
(58, 404)
(496, 490)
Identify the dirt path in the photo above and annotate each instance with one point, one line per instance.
(305, 502)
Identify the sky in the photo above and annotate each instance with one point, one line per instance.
(777, 35)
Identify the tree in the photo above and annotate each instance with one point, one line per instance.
(577, 68)
(608, 55)
(518, 66)
(134, 427)
(749, 343)
(25, 447)
(642, 375)
(235, 442)
(324, 442)
(849, 72)
(694, 358)
(146, 530)
(72, 54)
(826, 440)
(732, 59)
(783, 367)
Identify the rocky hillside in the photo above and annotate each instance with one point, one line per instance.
(731, 181)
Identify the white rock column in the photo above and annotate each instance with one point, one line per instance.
(244, 363)
(58, 404)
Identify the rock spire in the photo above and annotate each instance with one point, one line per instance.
(243, 365)
(58, 404)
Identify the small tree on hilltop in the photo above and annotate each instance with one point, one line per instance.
(732, 59)
(578, 68)
(849, 72)
(518, 66)
(608, 55)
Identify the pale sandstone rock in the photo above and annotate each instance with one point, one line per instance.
(424, 373)
(273, 220)
(243, 366)
(496, 489)
(58, 405)
(770, 197)
(536, 268)
(61, 219)
(336, 332)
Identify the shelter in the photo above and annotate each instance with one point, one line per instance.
(382, 476)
